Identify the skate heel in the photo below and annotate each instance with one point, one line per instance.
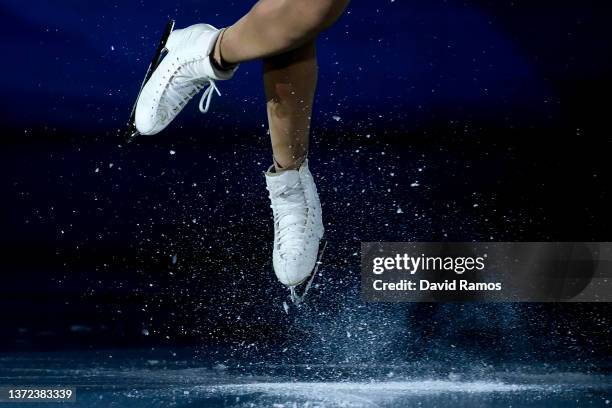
(181, 36)
(176, 37)
(131, 132)
(298, 293)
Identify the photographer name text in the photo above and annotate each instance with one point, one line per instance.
(405, 263)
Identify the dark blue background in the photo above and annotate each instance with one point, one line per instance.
(77, 65)
(459, 120)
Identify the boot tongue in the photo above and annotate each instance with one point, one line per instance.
(288, 182)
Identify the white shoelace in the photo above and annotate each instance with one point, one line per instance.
(289, 201)
(182, 87)
(207, 94)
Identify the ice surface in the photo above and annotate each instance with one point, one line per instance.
(363, 394)
(117, 379)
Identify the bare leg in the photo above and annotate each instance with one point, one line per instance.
(282, 33)
(290, 80)
(273, 27)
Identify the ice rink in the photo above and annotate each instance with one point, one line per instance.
(139, 379)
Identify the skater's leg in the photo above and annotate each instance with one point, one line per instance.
(205, 55)
(290, 80)
(273, 27)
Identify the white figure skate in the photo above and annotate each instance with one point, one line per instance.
(180, 69)
(298, 228)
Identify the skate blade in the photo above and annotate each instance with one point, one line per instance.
(131, 132)
(298, 293)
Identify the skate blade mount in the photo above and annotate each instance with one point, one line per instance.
(298, 298)
(131, 132)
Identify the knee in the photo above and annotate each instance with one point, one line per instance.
(302, 19)
(268, 10)
(318, 15)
